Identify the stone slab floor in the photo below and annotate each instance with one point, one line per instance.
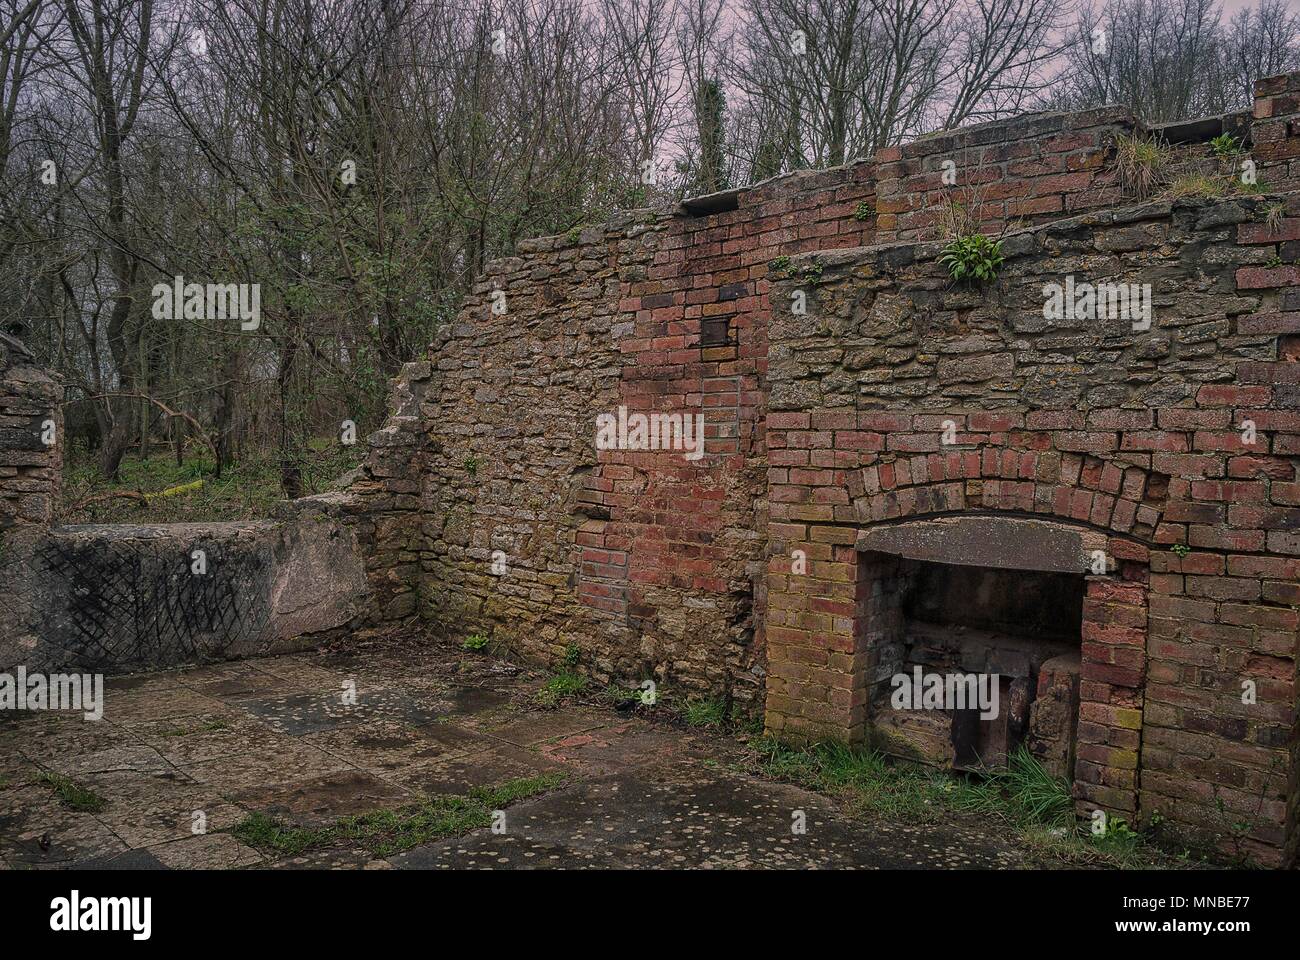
(274, 735)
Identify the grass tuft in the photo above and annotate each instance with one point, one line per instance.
(561, 687)
(386, 832)
(1024, 797)
(710, 712)
(72, 794)
(1142, 165)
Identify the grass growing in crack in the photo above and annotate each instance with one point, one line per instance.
(386, 832)
(561, 687)
(1024, 797)
(72, 794)
(1142, 165)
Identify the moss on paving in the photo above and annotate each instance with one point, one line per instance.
(386, 832)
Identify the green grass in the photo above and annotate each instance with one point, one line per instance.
(386, 832)
(710, 712)
(1023, 797)
(1142, 165)
(72, 794)
(247, 489)
(561, 687)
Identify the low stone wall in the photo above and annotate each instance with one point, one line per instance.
(115, 598)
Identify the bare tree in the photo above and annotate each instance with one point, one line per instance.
(837, 79)
(1161, 57)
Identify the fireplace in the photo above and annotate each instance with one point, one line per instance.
(970, 662)
(973, 632)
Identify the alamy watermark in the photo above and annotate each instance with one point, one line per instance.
(179, 300)
(75, 913)
(651, 431)
(53, 691)
(1098, 301)
(952, 691)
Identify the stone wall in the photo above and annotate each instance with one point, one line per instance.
(31, 454)
(114, 598)
(902, 396)
(823, 427)
(646, 561)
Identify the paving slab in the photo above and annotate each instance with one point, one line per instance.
(322, 800)
(276, 736)
(486, 768)
(721, 821)
(385, 746)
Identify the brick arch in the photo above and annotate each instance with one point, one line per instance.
(820, 628)
(1121, 498)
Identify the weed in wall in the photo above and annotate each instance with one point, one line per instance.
(973, 259)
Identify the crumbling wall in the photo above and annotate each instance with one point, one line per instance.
(31, 451)
(902, 395)
(118, 597)
(647, 561)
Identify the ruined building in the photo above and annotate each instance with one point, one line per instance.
(1079, 477)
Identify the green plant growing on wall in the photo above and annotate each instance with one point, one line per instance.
(475, 641)
(471, 466)
(1141, 165)
(973, 259)
(1225, 145)
(863, 212)
(1200, 186)
(779, 265)
(812, 273)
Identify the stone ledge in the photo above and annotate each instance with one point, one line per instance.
(1008, 543)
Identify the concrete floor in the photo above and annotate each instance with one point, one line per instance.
(274, 735)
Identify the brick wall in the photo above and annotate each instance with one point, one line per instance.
(651, 564)
(1132, 436)
(1031, 169)
(1275, 131)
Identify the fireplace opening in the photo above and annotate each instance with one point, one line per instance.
(970, 662)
